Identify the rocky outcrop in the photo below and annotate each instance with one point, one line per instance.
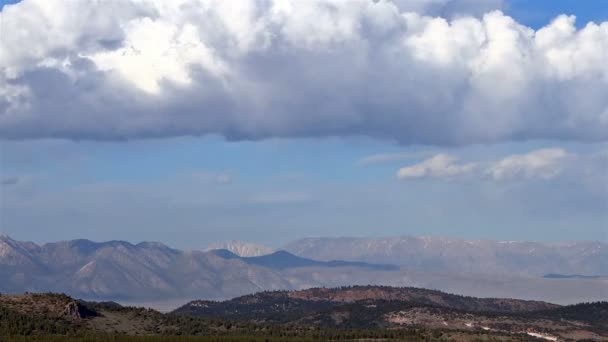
(72, 311)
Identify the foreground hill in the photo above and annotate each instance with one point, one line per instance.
(266, 302)
(386, 307)
(54, 317)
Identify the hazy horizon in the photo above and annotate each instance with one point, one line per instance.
(208, 245)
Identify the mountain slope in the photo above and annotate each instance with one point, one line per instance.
(120, 270)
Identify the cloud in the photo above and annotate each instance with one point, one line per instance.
(414, 72)
(439, 166)
(543, 164)
(538, 164)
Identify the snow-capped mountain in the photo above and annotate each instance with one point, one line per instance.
(243, 249)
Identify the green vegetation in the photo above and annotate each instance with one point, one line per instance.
(14, 323)
(280, 306)
(594, 315)
(421, 336)
(591, 313)
(18, 326)
(51, 317)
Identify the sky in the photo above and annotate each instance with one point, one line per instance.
(195, 122)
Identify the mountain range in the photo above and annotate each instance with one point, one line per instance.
(123, 271)
(147, 271)
(444, 254)
(458, 255)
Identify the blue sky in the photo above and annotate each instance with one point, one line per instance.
(538, 13)
(273, 181)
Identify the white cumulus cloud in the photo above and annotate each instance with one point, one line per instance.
(438, 166)
(543, 164)
(443, 72)
(538, 164)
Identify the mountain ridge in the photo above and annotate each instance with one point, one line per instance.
(389, 308)
(369, 294)
(124, 271)
(459, 255)
(281, 259)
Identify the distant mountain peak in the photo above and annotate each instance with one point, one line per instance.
(224, 253)
(283, 253)
(242, 248)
